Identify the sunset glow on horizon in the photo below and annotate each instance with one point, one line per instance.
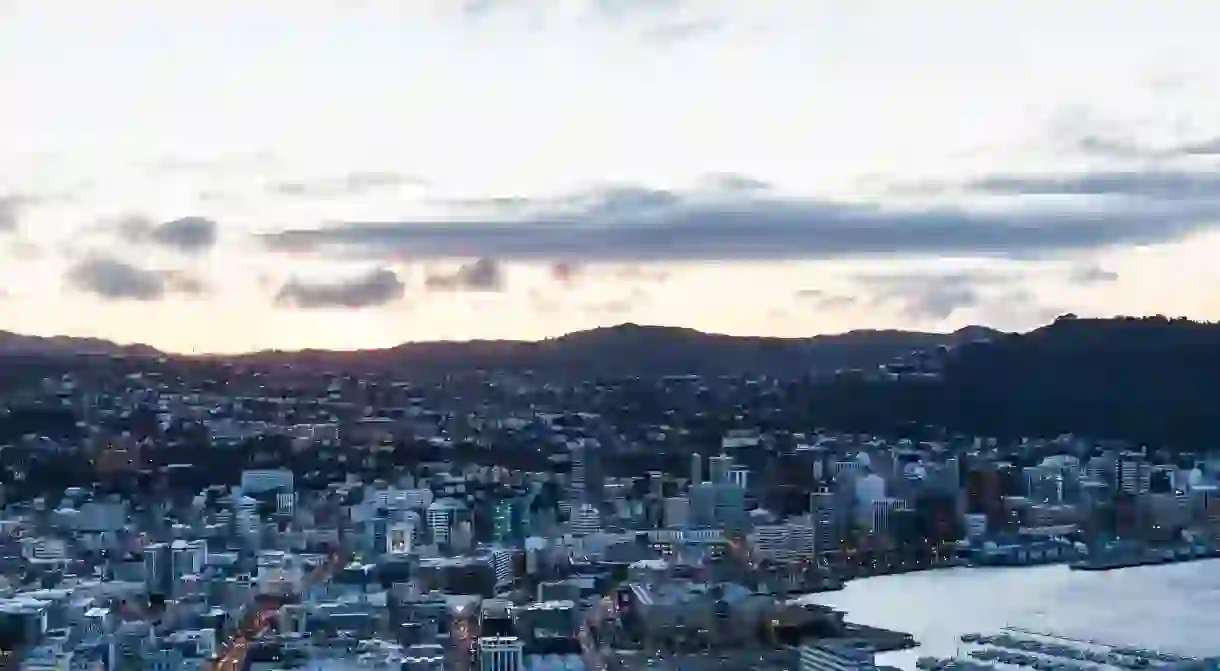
(224, 177)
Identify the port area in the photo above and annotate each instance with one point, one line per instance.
(1128, 556)
(874, 638)
(1013, 648)
(728, 660)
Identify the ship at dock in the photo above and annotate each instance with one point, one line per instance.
(1012, 649)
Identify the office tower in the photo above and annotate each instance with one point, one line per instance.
(702, 505)
(285, 503)
(739, 476)
(696, 469)
(586, 520)
(259, 481)
(677, 511)
(510, 519)
(245, 516)
(400, 538)
(656, 484)
(187, 558)
(500, 653)
(718, 469)
(730, 505)
(587, 480)
(441, 517)
(158, 568)
(823, 518)
(1134, 474)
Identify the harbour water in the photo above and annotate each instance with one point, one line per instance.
(1172, 608)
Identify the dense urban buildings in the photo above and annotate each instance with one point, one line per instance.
(170, 515)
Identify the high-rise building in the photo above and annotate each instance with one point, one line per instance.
(158, 568)
(696, 468)
(656, 484)
(824, 520)
(718, 469)
(259, 481)
(739, 476)
(187, 558)
(500, 653)
(400, 538)
(510, 519)
(587, 480)
(1134, 474)
(245, 515)
(285, 503)
(730, 508)
(586, 520)
(677, 511)
(703, 504)
(441, 517)
(827, 657)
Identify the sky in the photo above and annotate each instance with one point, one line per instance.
(227, 176)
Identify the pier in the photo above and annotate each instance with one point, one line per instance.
(1014, 648)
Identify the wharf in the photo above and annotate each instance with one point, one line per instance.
(880, 640)
(1147, 557)
(1048, 651)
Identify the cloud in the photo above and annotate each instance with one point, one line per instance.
(214, 165)
(476, 8)
(1092, 143)
(1092, 274)
(824, 300)
(642, 274)
(1209, 147)
(483, 274)
(728, 181)
(113, 279)
(8, 214)
(617, 9)
(630, 225)
(655, 22)
(1169, 185)
(679, 31)
(1124, 149)
(10, 211)
(620, 305)
(188, 235)
(1096, 145)
(934, 296)
(351, 184)
(374, 288)
(603, 10)
(1089, 132)
(565, 272)
(185, 283)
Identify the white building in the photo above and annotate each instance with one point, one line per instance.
(827, 657)
(258, 481)
(586, 520)
(442, 513)
(676, 511)
(245, 515)
(285, 503)
(400, 538)
(500, 653)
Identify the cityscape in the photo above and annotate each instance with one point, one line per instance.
(609, 335)
(173, 514)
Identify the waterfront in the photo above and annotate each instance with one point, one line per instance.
(1172, 608)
